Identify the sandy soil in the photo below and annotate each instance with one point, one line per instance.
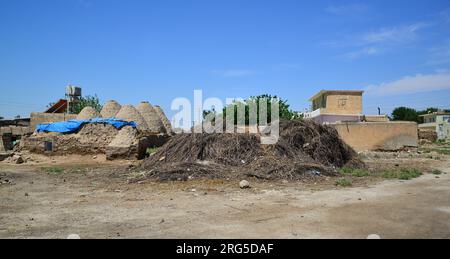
(95, 201)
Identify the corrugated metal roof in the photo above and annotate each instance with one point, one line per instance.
(59, 107)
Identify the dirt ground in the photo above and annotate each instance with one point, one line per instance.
(95, 199)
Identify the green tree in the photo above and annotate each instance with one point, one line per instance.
(49, 105)
(85, 101)
(427, 111)
(285, 112)
(405, 114)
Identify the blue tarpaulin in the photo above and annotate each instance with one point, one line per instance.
(74, 125)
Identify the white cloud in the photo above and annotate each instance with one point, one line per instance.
(412, 84)
(233, 72)
(399, 34)
(381, 37)
(368, 51)
(350, 9)
(377, 41)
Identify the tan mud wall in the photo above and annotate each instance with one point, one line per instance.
(374, 118)
(344, 104)
(364, 136)
(41, 118)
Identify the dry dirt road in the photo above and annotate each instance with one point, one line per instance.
(43, 205)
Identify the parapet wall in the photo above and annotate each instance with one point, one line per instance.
(370, 136)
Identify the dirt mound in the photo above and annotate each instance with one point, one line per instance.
(90, 139)
(305, 150)
(123, 145)
(129, 113)
(164, 120)
(151, 117)
(88, 113)
(110, 109)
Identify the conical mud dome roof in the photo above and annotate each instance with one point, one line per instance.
(164, 120)
(88, 113)
(151, 117)
(110, 109)
(129, 113)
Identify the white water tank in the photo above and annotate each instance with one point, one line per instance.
(73, 91)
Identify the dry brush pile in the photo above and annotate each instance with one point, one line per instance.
(305, 150)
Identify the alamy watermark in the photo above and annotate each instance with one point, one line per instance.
(253, 116)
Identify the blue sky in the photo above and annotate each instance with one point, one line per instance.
(399, 51)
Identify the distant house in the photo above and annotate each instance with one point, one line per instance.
(439, 122)
(57, 112)
(343, 110)
(330, 106)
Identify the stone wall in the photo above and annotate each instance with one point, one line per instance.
(15, 130)
(42, 118)
(389, 136)
(430, 136)
(16, 122)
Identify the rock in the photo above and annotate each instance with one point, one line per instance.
(373, 236)
(315, 172)
(4, 156)
(285, 181)
(244, 184)
(94, 157)
(73, 236)
(17, 159)
(124, 145)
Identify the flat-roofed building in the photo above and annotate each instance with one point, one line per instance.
(439, 122)
(330, 106)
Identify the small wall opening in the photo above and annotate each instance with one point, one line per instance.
(7, 140)
(48, 146)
